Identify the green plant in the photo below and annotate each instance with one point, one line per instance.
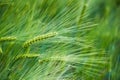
(49, 40)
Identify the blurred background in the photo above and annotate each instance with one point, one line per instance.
(107, 14)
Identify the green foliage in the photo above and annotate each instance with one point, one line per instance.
(58, 40)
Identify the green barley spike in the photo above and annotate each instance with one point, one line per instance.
(27, 56)
(39, 38)
(10, 38)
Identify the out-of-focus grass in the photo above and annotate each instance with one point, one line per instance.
(107, 33)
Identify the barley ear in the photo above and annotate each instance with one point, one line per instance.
(39, 38)
(10, 38)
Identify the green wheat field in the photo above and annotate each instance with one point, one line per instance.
(59, 39)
